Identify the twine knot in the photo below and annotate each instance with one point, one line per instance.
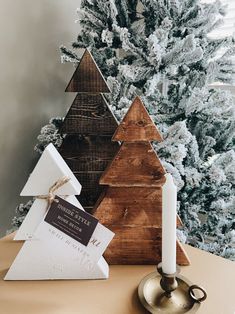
(50, 197)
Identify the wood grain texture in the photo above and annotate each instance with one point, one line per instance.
(91, 191)
(87, 78)
(88, 156)
(88, 153)
(87, 130)
(139, 245)
(89, 114)
(137, 125)
(131, 206)
(136, 164)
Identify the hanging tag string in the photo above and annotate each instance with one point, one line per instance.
(50, 197)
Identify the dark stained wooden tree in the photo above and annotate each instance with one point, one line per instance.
(131, 205)
(88, 128)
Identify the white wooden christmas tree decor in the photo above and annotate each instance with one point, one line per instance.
(40, 260)
(45, 257)
(49, 253)
(50, 168)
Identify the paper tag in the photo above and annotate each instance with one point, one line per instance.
(73, 221)
(95, 248)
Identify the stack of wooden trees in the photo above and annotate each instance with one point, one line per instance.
(88, 128)
(131, 205)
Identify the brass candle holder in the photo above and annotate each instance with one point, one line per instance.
(169, 294)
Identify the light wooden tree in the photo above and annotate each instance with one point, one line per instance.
(132, 203)
(88, 128)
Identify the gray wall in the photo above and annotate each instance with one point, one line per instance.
(32, 83)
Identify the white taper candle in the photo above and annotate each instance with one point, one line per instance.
(169, 201)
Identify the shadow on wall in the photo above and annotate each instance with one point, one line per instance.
(32, 83)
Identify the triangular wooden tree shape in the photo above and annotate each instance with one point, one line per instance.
(89, 114)
(87, 130)
(87, 78)
(136, 164)
(137, 125)
(131, 205)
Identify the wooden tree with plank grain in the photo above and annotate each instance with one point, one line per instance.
(88, 128)
(131, 205)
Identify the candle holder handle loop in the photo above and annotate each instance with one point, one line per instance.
(192, 294)
(170, 293)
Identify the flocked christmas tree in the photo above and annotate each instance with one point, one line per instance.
(132, 203)
(88, 128)
(162, 51)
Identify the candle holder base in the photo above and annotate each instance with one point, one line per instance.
(183, 299)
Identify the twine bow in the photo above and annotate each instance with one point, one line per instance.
(50, 197)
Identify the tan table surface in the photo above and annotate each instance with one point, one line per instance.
(118, 294)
